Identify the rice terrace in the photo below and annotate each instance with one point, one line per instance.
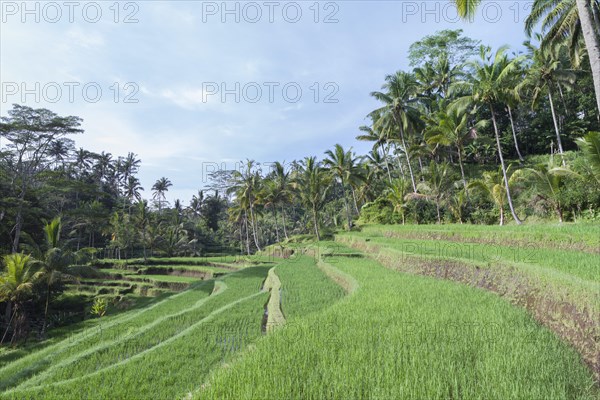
(406, 207)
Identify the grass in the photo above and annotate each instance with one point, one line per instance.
(347, 326)
(139, 354)
(405, 336)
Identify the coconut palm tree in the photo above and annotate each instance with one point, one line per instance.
(493, 185)
(487, 87)
(590, 146)
(450, 127)
(437, 186)
(400, 106)
(313, 183)
(396, 194)
(16, 284)
(281, 191)
(562, 19)
(543, 74)
(380, 141)
(343, 166)
(246, 185)
(548, 181)
(161, 187)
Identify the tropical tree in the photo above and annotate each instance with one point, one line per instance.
(30, 134)
(543, 74)
(400, 107)
(16, 287)
(381, 143)
(493, 185)
(487, 87)
(396, 194)
(159, 188)
(450, 127)
(562, 19)
(343, 167)
(438, 185)
(276, 192)
(246, 185)
(548, 181)
(313, 183)
(590, 146)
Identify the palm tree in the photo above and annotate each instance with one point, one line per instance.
(142, 220)
(493, 185)
(342, 165)
(160, 187)
(246, 185)
(132, 188)
(561, 24)
(396, 193)
(400, 106)
(562, 19)
(437, 187)
(313, 184)
(543, 74)
(487, 87)
(590, 146)
(512, 98)
(380, 142)
(548, 181)
(450, 128)
(279, 193)
(16, 284)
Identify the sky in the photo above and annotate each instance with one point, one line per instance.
(195, 86)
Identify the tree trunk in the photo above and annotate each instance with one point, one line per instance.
(462, 169)
(501, 216)
(560, 213)
(355, 202)
(18, 226)
(512, 125)
(508, 195)
(387, 166)
(346, 203)
(399, 163)
(8, 316)
(412, 176)
(559, 142)
(437, 206)
(283, 222)
(276, 225)
(592, 42)
(254, 235)
(247, 234)
(316, 225)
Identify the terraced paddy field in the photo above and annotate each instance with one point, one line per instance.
(112, 279)
(376, 314)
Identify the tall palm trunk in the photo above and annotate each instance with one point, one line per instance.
(399, 162)
(315, 223)
(247, 232)
(354, 198)
(252, 222)
(347, 205)
(276, 224)
(283, 222)
(412, 176)
(508, 195)
(462, 168)
(387, 165)
(514, 132)
(558, 140)
(592, 42)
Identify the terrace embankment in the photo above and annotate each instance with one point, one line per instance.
(569, 306)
